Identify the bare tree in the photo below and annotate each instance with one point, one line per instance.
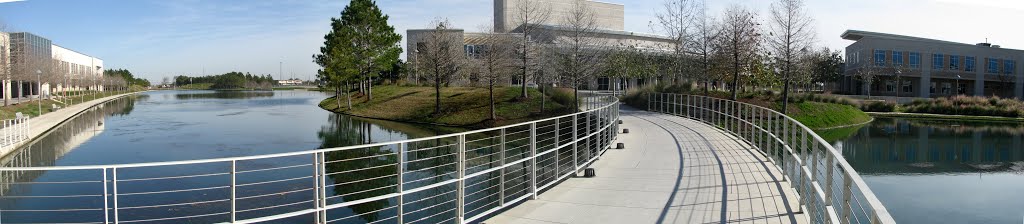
(578, 53)
(702, 44)
(740, 40)
(791, 34)
(868, 74)
(677, 21)
(441, 58)
(495, 62)
(527, 14)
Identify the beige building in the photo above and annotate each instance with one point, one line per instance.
(609, 16)
(610, 34)
(921, 67)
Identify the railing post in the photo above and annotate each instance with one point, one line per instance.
(106, 206)
(234, 169)
(829, 169)
(558, 149)
(316, 186)
(575, 144)
(400, 158)
(323, 187)
(501, 175)
(461, 170)
(847, 193)
(533, 160)
(114, 183)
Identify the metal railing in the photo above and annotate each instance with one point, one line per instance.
(12, 132)
(453, 178)
(829, 189)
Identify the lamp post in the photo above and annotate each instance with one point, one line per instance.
(39, 90)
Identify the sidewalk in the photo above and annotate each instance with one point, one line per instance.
(41, 124)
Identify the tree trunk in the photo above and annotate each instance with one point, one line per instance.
(576, 95)
(437, 96)
(491, 89)
(543, 98)
(369, 89)
(348, 94)
(337, 96)
(735, 74)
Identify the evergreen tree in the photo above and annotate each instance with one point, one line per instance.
(359, 46)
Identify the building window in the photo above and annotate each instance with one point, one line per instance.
(907, 88)
(1009, 67)
(969, 64)
(961, 88)
(915, 60)
(954, 62)
(946, 87)
(993, 65)
(897, 58)
(937, 61)
(932, 89)
(890, 86)
(879, 57)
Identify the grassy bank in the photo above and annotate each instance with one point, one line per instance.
(31, 108)
(816, 115)
(948, 117)
(461, 106)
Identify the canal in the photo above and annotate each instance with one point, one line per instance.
(928, 171)
(187, 125)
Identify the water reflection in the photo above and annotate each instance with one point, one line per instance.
(180, 125)
(921, 146)
(192, 95)
(59, 142)
(927, 171)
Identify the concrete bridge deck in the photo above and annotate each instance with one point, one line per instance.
(673, 170)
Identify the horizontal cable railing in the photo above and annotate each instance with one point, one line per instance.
(829, 189)
(452, 178)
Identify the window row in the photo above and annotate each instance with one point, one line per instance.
(943, 61)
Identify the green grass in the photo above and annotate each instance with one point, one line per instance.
(814, 115)
(817, 115)
(833, 135)
(31, 108)
(460, 106)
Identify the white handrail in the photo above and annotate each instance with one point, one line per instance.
(695, 107)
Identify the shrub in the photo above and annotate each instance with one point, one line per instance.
(878, 106)
(969, 105)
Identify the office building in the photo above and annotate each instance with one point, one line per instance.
(920, 67)
(34, 58)
(609, 34)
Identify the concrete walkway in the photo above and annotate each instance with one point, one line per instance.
(41, 124)
(673, 170)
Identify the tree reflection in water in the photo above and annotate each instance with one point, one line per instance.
(362, 173)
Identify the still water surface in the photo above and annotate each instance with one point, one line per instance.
(186, 125)
(928, 171)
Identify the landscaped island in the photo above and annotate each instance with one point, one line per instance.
(461, 106)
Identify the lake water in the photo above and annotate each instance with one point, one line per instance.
(927, 171)
(186, 125)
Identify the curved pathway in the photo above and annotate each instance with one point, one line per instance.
(673, 170)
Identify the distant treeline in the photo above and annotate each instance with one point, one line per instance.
(230, 80)
(127, 76)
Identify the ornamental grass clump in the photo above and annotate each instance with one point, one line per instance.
(969, 105)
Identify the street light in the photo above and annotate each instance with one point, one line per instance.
(39, 90)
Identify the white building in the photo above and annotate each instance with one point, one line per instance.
(26, 54)
(77, 66)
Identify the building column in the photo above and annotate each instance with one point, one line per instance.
(979, 84)
(926, 84)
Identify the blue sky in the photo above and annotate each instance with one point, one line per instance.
(163, 38)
